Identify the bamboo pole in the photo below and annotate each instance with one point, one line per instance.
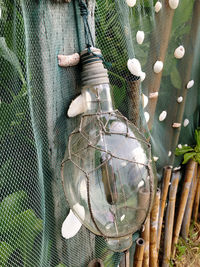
(165, 186)
(127, 258)
(188, 210)
(152, 82)
(153, 231)
(197, 197)
(139, 252)
(143, 204)
(170, 218)
(146, 235)
(184, 195)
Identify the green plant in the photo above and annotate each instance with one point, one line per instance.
(190, 152)
(19, 228)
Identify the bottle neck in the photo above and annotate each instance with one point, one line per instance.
(97, 98)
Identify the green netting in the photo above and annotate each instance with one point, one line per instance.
(35, 94)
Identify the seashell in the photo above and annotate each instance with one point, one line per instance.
(122, 217)
(155, 158)
(142, 76)
(186, 122)
(158, 66)
(176, 125)
(140, 37)
(70, 226)
(77, 106)
(131, 3)
(134, 66)
(179, 99)
(69, 60)
(186, 145)
(145, 100)
(169, 154)
(179, 52)
(180, 146)
(163, 115)
(153, 95)
(190, 84)
(147, 117)
(173, 4)
(158, 6)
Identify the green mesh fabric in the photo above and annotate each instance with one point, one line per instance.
(35, 94)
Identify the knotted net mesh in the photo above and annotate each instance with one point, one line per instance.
(35, 94)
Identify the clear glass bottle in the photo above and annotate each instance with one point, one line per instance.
(107, 169)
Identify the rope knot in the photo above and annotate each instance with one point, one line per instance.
(83, 9)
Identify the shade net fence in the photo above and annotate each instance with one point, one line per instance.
(35, 94)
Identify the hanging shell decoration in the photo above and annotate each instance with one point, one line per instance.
(77, 106)
(176, 125)
(180, 99)
(186, 122)
(190, 84)
(140, 37)
(169, 153)
(173, 4)
(155, 158)
(147, 116)
(158, 6)
(134, 66)
(142, 76)
(179, 52)
(145, 100)
(163, 115)
(180, 146)
(158, 66)
(131, 3)
(153, 95)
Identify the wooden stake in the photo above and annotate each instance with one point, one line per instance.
(153, 230)
(146, 235)
(170, 218)
(197, 197)
(139, 252)
(165, 186)
(188, 210)
(191, 165)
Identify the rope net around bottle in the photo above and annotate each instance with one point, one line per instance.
(35, 94)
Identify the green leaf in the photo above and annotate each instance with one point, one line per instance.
(188, 156)
(9, 56)
(175, 78)
(61, 265)
(4, 173)
(183, 150)
(197, 138)
(5, 252)
(10, 207)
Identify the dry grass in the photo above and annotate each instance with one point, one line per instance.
(188, 251)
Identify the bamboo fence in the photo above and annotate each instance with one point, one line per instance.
(169, 221)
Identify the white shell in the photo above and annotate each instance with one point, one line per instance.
(122, 218)
(155, 158)
(158, 66)
(77, 106)
(69, 60)
(173, 4)
(153, 95)
(190, 84)
(169, 154)
(131, 3)
(180, 146)
(158, 6)
(134, 66)
(145, 100)
(142, 76)
(186, 145)
(140, 37)
(186, 122)
(163, 115)
(179, 52)
(147, 117)
(70, 226)
(176, 125)
(180, 99)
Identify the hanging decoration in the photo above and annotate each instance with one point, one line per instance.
(107, 170)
